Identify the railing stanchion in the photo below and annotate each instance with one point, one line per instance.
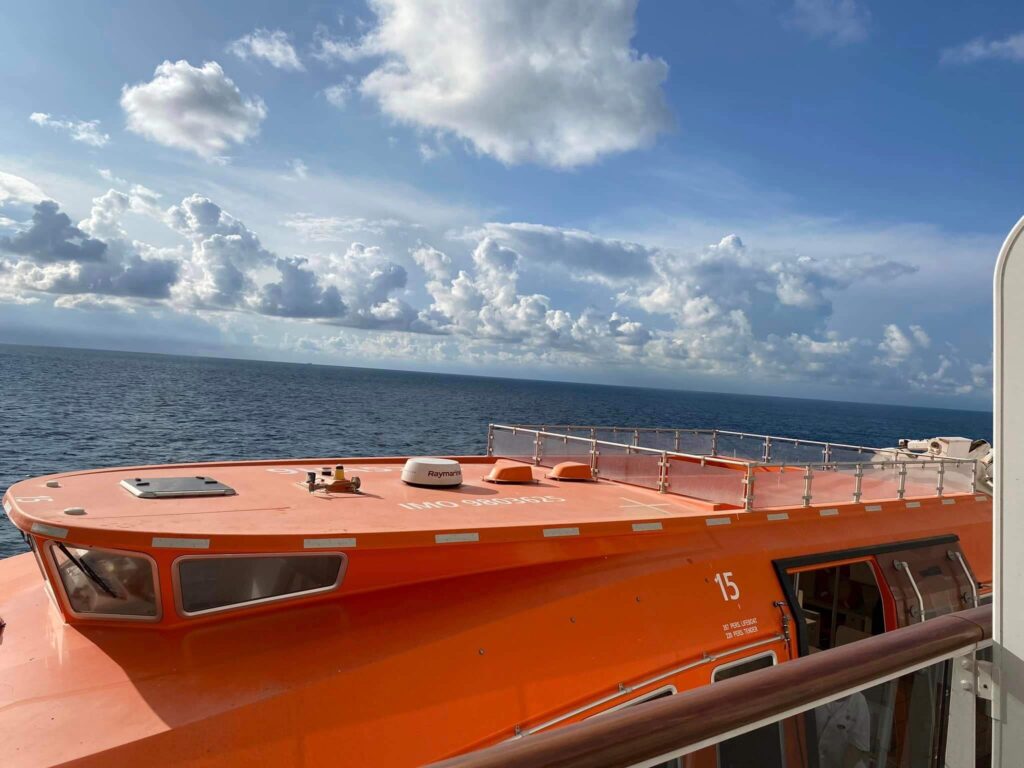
(807, 485)
(593, 457)
(675, 442)
(940, 477)
(536, 449)
(901, 489)
(714, 442)
(858, 479)
(748, 488)
(766, 453)
(490, 439)
(663, 474)
(974, 476)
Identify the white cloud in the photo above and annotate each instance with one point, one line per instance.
(583, 255)
(273, 46)
(84, 131)
(572, 89)
(979, 49)
(224, 255)
(198, 109)
(337, 94)
(95, 257)
(506, 294)
(334, 229)
(108, 175)
(839, 21)
(298, 294)
(92, 303)
(15, 189)
(299, 169)
(895, 346)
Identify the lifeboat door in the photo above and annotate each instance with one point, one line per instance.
(841, 597)
(928, 581)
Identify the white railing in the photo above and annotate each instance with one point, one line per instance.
(786, 472)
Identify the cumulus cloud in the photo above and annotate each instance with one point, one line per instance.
(272, 46)
(582, 254)
(298, 294)
(573, 89)
(52, 237)
(727, 310)
(980, 49)
(758, 294)
(485, 303)
(84, 131)
(59, 257)
(198, 109)
(841, 22)
(224, 253)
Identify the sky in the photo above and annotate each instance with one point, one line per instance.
(787, 197)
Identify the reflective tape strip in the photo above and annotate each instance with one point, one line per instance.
(550, 532)
(718, 521)
(873, 508)
(328, 543)
(828, 512)
(778, 515)
(165, 543)
(452, 538)
(640, 527)
(50, 530)
(949, 501)
(913, 504)
(981, 498)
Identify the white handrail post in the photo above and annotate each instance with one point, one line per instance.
(748, 488)
(1008, 501)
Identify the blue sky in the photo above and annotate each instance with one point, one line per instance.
(799, 198)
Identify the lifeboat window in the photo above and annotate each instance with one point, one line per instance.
(840, 604)
(106, 583)
(762, 747)
(206, 584)
(657, 693)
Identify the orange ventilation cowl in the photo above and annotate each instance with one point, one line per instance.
(510, 473)
(571, 470)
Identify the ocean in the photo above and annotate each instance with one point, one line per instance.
(66, 409)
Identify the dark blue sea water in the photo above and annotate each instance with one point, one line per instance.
(64, 409)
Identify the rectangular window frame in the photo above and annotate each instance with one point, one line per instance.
(738, 663)
(65, 600)
(176, 581)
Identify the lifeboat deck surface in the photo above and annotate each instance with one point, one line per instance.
(271, 500)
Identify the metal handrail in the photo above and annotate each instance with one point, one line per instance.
(659, 730)
(630, 446)
(705, 431)
(891, 459)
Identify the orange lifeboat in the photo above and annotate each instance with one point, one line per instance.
(280, 612)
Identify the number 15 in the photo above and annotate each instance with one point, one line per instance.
(730, 590)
